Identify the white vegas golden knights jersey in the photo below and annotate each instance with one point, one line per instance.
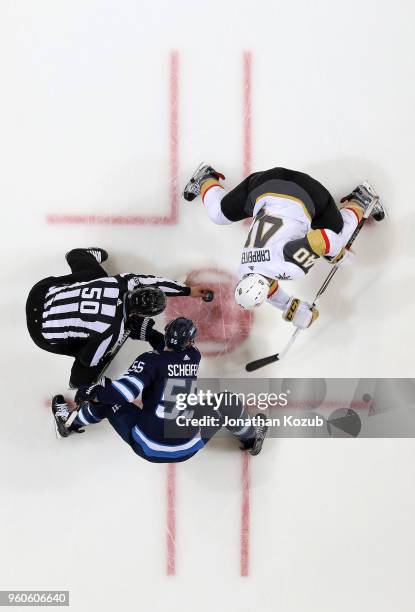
(277, 220)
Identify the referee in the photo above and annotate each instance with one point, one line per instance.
(87, 313)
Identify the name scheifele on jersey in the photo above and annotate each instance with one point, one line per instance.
(179, 370)
(159, 377)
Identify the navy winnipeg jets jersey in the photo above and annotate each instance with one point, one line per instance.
(160, 377)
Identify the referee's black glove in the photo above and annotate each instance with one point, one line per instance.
(140, 327)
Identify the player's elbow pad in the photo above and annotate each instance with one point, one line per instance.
(301, 253)
(109, 394)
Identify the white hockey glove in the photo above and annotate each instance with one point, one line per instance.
(299, 313)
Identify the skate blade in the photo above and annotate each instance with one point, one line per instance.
(370, 188)
(198, 169)
(378, 202)
(191, 182)
(385, 210)
(57, 432)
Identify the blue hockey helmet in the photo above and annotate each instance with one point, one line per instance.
(179, 333)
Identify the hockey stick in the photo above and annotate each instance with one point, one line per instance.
(208, 297)
(264, 361)
(111, 356)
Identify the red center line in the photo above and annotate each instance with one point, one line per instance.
(245, 516)
(171, 519)
(172, 217)
(247, 111)
(247, 156)
(174, 136)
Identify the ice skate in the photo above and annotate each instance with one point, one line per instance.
(202, 174)
(63, 417)
(100, 255)
(254, 447)
(365, 195)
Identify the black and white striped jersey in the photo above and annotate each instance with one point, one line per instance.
(91, 313)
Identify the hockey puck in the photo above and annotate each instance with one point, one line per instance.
(208, 296)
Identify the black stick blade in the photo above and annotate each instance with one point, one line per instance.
(261, 363)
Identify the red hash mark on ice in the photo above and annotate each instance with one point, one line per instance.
(172, 217)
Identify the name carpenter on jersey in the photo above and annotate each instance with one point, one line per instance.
(256, 256)
(182, 370)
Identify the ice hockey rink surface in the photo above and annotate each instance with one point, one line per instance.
(106, 109)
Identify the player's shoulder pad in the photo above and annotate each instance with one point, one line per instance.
(146, 358)
(197, 353)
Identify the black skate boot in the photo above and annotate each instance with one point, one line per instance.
(99, 254)
(367, 198)
(254, 446)
(202, 174)
(63, 418)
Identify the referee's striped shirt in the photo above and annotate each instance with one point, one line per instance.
(91, 313)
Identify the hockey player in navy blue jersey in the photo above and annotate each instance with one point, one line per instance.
(158, 431)
(88, 314)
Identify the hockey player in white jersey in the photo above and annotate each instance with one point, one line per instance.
(295, 221)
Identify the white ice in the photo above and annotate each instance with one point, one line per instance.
(84, 127)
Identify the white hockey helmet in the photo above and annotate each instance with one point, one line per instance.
(251, 291)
